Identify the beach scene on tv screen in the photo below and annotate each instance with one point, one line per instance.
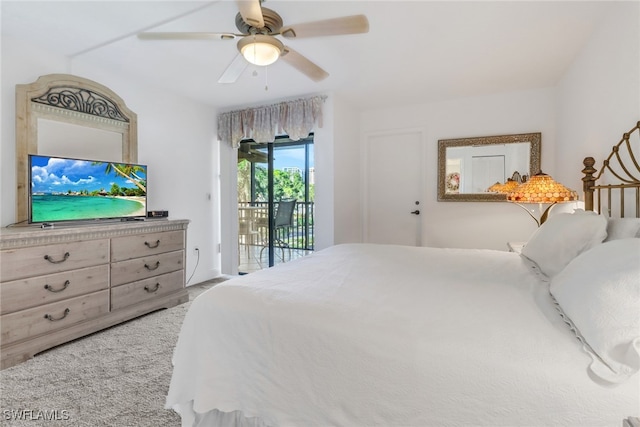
(70, 189)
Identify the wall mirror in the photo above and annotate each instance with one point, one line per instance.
(468, 167)
(70, 116)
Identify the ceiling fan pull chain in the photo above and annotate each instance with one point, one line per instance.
(255, 54)
(266, 78)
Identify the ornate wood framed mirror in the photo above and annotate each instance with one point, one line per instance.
(467, 167)
(66, 115)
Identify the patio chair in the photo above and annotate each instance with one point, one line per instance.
(247, 235)
(282, 224)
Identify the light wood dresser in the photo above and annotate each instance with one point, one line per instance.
(59, 284)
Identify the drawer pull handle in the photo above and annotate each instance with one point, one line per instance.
(152, 245)
(148, 289)
(48, 258)
(50, 318)
(152, 268)
(50, 288)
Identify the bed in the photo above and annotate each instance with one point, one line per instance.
(384, 335)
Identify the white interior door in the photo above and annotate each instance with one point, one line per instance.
(393, 184)
(487, 170)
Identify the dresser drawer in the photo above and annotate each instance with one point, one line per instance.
(25, 293)
(142, 290)
(48, 259)
(51, 317)
(145, 267)
(129, 247)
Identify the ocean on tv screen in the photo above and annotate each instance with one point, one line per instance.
(65, 189)
(59, 207)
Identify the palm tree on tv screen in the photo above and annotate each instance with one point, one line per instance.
(127, 171)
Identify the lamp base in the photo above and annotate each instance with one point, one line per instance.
(545, 214)
(543, 217)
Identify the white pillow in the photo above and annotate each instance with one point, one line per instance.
(600, 293)
(563, 237)
(569, 207)
(622, 228)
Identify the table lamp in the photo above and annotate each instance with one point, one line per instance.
(541, 189)
(495, 188)
(507, 187)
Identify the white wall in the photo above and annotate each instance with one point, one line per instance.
(599, 96)
(347, 167)
(229, 208)
(468, 224)
(176, 139)
(323, 149)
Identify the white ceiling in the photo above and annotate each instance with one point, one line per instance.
(415, 51)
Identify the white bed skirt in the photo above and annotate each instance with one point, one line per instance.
(215, 418)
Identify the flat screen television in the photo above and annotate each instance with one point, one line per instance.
(66, 189)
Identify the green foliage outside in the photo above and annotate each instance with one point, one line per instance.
(287, 184)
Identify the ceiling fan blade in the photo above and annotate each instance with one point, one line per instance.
(304, 65)
(356, 24)
(251, 12)
(234, 70)
(186, 36)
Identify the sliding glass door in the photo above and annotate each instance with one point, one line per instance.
(275, 202)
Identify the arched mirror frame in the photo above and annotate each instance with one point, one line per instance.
(534, 163)
(67, 99)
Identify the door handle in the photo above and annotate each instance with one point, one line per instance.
(416, 212)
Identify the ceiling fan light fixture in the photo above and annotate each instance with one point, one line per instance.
(260, 49)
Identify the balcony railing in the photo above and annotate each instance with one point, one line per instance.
(301, 234)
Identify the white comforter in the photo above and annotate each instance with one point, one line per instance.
(375, 335)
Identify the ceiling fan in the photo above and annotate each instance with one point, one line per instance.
(259, 45)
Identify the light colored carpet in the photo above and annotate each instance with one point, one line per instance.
(118, 377)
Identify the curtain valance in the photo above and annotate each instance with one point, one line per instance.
(294, 118)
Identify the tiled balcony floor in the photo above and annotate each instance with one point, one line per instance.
(249, 259)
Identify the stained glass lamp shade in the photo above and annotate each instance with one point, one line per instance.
(541, 189)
